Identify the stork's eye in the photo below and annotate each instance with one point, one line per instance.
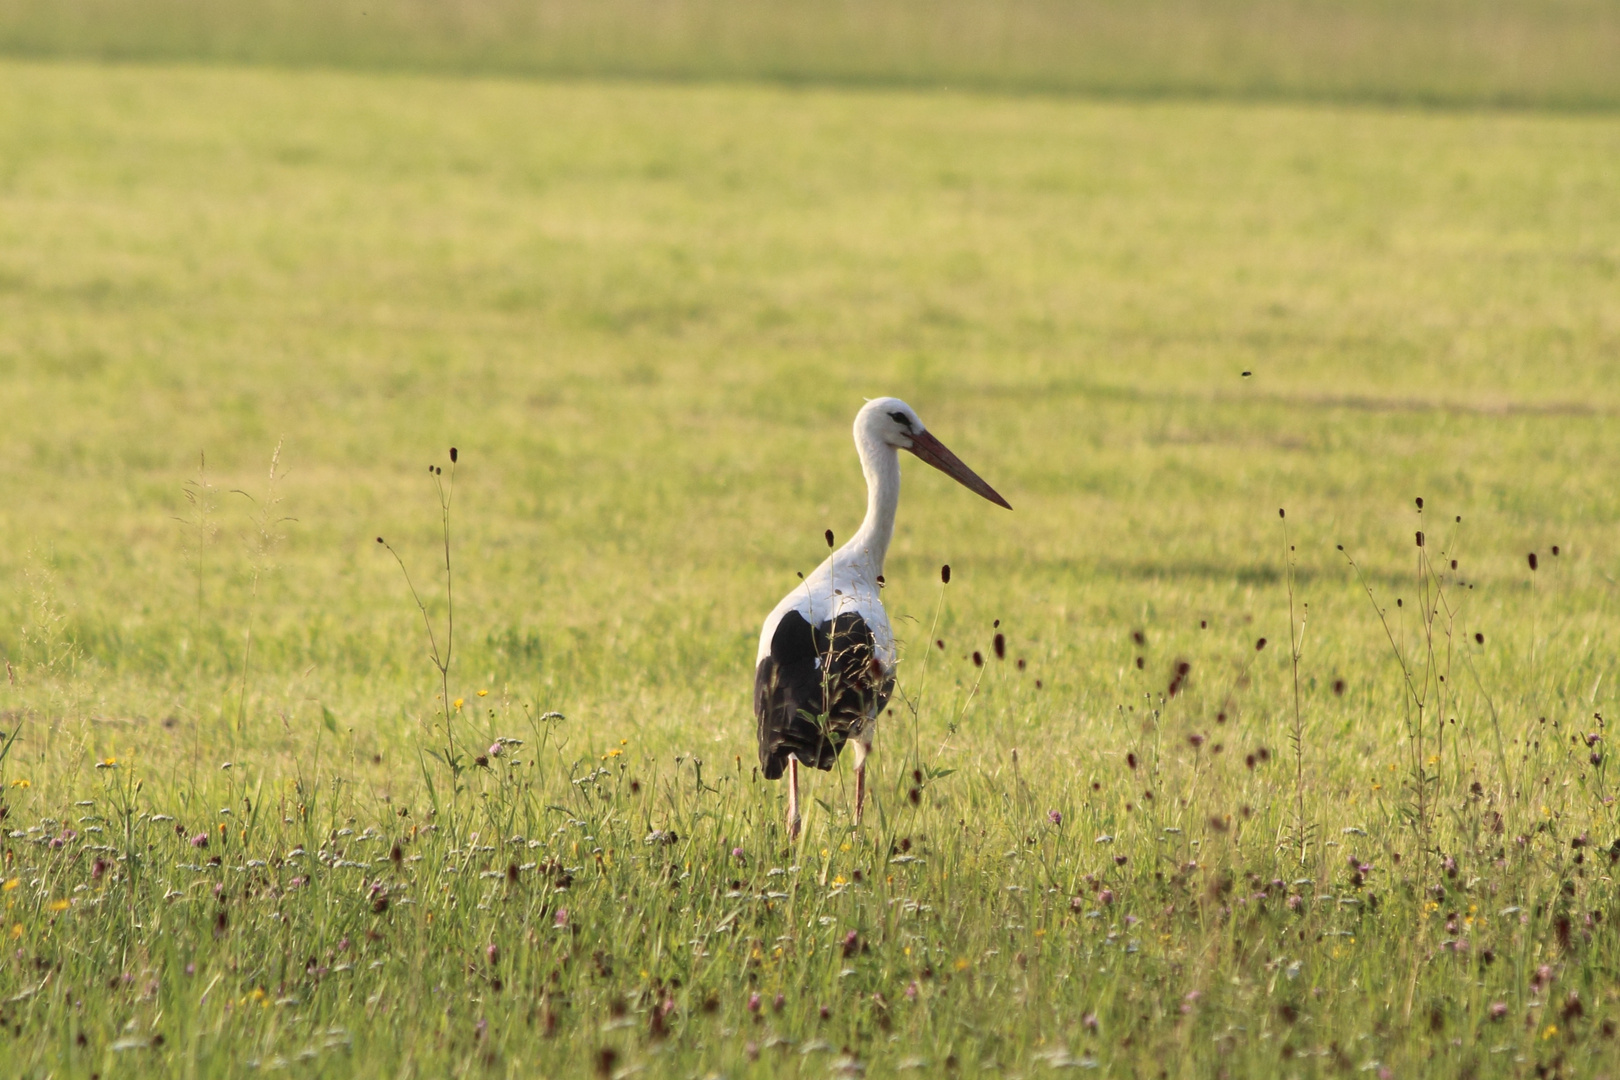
(901, 419)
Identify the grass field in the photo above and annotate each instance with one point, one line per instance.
(1525, 53)
(645, 315)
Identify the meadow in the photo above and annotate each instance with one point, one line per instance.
(1235, 801)
(1519, 53)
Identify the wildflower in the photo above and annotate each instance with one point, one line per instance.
(779, 1002)
(562, 917)
(493, 954)
(496, 749)
(200, 840)
(1294, 903)
(10, 884)
(737, 853)
(61, 905)
(459, 702)
(1054, 817)
(1106, 896)
(753, 1002)
(1552, 1029)
(613, 753)
(21, 783)
(1498, 1010)
(852, 943)
(1089, 1021)
(16, 931)
(483, 693)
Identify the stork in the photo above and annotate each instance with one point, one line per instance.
(825, 666)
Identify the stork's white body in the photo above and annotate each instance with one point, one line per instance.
(847, 580)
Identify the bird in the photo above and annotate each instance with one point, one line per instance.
(826, 661)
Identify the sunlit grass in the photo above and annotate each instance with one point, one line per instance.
(645, 316)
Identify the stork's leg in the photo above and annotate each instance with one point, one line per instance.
(793, 798)
(861, 750)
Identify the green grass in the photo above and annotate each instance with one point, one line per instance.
(1538, 53)
(646, 314)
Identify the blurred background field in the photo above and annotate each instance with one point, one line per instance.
(647, 313)
(645, 309)
(1558, 53)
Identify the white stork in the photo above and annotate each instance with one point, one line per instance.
(826, 653)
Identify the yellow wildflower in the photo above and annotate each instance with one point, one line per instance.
(962, 964)
(61, 905)
(1552, 1029)
(21, 783)
(459, 702)
(11, 884)
(16, 931)
(483, 693)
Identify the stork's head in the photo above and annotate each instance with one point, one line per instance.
(890, 420)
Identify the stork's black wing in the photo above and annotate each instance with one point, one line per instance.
(818, 687)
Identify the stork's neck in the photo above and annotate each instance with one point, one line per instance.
(870, 545)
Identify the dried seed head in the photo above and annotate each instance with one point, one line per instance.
(1338, 687)
(1420, 502)
(1139, 638)
(1420, 538)
(1000, 644)
(1555, 551)
(1130, 759)
(1261, 644)
(1280, 512)
(1479, 639)
(829, 535)
(945, 574)
(978, 658)
(452, 455)
(1532, 559)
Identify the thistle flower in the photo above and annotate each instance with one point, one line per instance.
(562, 918)
(200, 840)
(753, 999)
(1054, 817)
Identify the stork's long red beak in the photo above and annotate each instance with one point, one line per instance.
(931, 450)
